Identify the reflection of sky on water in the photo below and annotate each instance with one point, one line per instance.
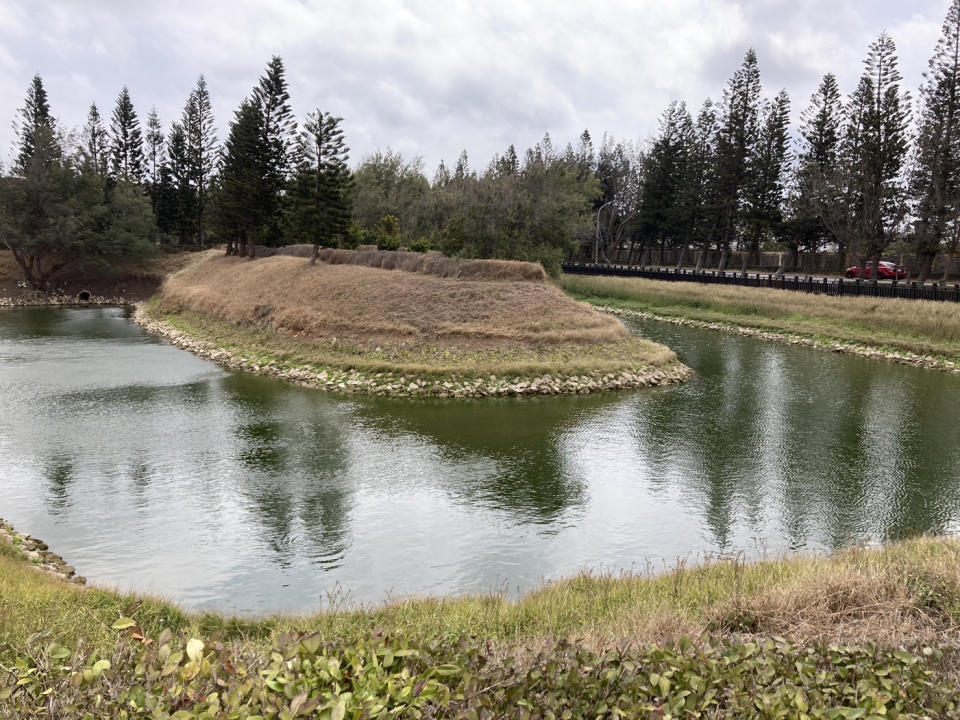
(151, 469)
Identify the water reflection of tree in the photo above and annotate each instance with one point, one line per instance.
(703, 435)
(294, 461)
(499, 454)
(59, 472)
(835, 449)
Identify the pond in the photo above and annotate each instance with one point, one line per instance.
(150, 469)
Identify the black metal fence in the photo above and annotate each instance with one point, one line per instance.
(904, 289)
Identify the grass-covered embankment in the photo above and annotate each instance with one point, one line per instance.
(913, 332)
(866, 633)
(354, 328)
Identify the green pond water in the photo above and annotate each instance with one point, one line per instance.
(150, 469)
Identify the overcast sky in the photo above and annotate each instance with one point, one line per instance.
(432, 77)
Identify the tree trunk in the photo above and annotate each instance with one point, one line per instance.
(782, 266)
(724, 256)
(681, 256)
(645, 260)
(743, 262)
(314, 253)
(701, 258)
(948, 265)
(877, 254)
(926, 267)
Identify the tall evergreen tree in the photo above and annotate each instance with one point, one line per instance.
(701, 184)
(817, 167)
(766, 185)
(176, 198)
(319, 210)
(201, 146)
(126, 141)
(93, 144)
(34, 115)
(736, 141)
(278, 127)
(247, 198)
(935, 177)
(154, 159)
(665, 212)
(875, 147)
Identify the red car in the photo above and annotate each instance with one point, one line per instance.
(886, 271)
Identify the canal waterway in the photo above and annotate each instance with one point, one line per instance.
(150, 469)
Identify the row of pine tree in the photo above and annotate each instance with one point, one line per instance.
(863, 173)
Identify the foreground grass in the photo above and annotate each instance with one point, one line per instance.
(923, 327)
(868, 629)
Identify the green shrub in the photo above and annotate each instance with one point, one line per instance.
(306, 676)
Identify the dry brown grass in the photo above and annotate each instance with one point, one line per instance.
(370, 307)
(905, 594)
(428, 264)
(920, 326)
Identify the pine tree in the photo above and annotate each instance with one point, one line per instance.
(93, 144)
(935, 177)
(874, 149)
(766, 185)
(176, 197)
(738, 136)
(155, 159)
(442, 177)
(320, 208)
(279, 128)
(247, 198)
(201, 142)
(507, 164)
(818, 166)
(34, 115)
(665, 213)
(584, 155)
(462, 169)
(701, 183)
(126, 141)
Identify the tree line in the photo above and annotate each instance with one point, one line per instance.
(861, 174)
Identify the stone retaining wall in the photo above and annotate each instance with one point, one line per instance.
(38, 554)
(399, 385)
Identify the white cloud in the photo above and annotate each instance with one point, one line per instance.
(431, 78)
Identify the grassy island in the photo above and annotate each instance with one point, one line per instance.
(865, 633)
(492, 328)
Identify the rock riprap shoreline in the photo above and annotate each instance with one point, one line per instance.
(37, 553)
(60, 300)
(903, 357)
(396, 384)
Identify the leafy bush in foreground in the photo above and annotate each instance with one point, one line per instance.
(305, 676)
